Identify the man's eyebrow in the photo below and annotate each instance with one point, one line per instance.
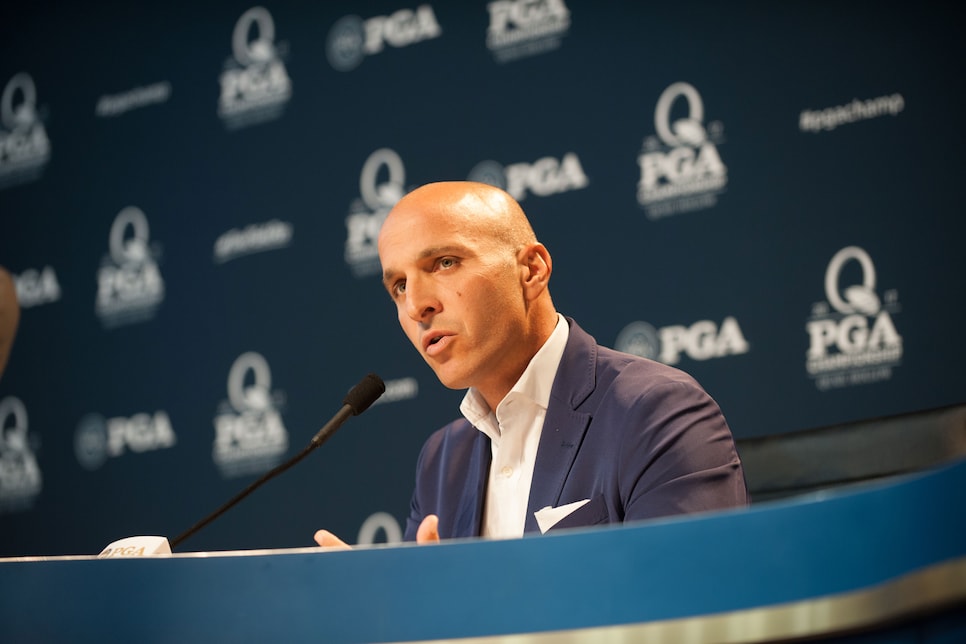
(436, 251)
(433, 251)
(387, 277)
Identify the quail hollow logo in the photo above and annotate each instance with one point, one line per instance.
(852, 336)
(24, 146)
(20, 477)
(255, 85)
(366, 214)
(681, 170)
(129, 283)
(250, 437)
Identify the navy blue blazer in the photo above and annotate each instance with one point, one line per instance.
(638, 438)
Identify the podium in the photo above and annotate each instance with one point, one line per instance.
(874, 562)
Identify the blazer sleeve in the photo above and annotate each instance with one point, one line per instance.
(678, 454)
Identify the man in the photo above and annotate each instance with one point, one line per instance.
(557, 431)
(9, 316)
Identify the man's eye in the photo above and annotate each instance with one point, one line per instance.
(399, 289)
(447, 262)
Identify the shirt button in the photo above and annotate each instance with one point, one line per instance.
(506, 471)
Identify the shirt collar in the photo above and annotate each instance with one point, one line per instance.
(534, 384)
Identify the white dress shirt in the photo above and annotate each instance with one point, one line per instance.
(514, 432)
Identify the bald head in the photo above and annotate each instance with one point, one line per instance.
(479, 207)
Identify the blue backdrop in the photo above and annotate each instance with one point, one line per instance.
(766, 195)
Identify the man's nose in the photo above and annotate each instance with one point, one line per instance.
(421, 300)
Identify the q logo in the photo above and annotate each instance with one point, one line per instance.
(13, 436)
(262, 48)
(859, 298)
(381, 196)
(687, 131)
(255, 396)
(24, 114)
(133, 250)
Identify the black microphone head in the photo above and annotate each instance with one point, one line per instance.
(364, 394)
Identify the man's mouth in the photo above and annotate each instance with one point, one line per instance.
(436, 343)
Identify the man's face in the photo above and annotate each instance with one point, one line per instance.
(458, 295)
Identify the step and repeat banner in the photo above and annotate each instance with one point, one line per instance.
(768, 196)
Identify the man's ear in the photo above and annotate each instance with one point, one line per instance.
(536, 266)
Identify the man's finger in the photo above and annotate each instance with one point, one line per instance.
(328, 540)
(428, 531)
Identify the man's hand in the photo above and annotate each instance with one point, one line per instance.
(328, 540)
(428, 532)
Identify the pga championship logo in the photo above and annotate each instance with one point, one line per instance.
(250, 437)
(522, 28)
(24, 146)
(351, 38)
(543, 177)
(700, 341)
(681, 170)
(129, 283)
(852, 338)
(20, 477)
(255, 86)
(381, 185)
(97, 439)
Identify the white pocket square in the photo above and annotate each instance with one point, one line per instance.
(548, 517)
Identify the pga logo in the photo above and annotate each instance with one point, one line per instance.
(129, 276)
(545, 176)
(36, 287)
(257, 74)
(381, 185)
(351, 38)
(20, 476)
(23, 139)
(702, 340)
(523, 28)
(683, 158)
(862, 322)
(97, 439)
(507, 15)
(249, 433)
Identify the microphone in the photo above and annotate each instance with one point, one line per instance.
(359, 398)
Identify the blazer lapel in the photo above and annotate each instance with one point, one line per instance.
(563, 431)
(564, 427)
(469, 518)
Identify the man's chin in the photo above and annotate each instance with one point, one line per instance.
(449, 380)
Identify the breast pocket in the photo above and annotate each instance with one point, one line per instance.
(594, 512)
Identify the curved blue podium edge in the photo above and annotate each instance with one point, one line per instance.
(827, 562)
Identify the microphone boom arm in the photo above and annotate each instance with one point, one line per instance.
(356, 401)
